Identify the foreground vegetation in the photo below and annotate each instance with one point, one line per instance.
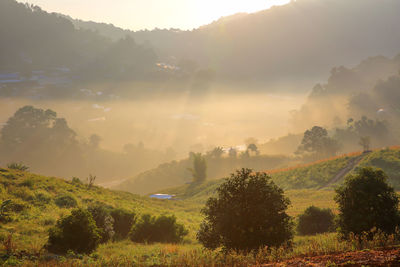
(36, 206)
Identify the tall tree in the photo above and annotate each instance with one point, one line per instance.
(199, 170)
(317, 141)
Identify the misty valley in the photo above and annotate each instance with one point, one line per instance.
(260, 139)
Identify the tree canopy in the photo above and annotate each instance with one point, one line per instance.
(317, 141)
(366, 201)
(248, 212)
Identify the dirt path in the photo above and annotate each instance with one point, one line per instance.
(388, 257)
(343, 172)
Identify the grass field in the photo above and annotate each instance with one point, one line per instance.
(36, 211)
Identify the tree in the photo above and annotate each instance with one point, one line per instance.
(216, 153)
(250, 140)
(253, 148)
(315, 220)
(318, 142)
(248, 212)
(39, 138)
(199, 170)
(30, 125)
(365, 142)
(232, 153)
(90, 180)
(77, 232)
(366, 201)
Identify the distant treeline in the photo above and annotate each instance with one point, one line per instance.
(289, 42)
(44, 142)
(33, 40)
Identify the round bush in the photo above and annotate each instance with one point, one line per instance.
(77, 232)
(66, 201)
(248, 212)
(366, 201)
(123, 221)
(163, 229)
(315, 221)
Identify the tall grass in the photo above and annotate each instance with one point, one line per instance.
(128, 254)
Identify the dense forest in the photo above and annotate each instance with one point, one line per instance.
(300, 40)
(34, 40)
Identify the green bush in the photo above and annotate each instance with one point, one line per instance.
(28, 183)
(162, 229)
(123, 221)
(17, 206)
(248, 212)
(17, 166)
(42, 197)
(76, 180)
(23, 193)
(77, 232)
(104, 221)
(365, 202)
(66, 201)
(315, 221)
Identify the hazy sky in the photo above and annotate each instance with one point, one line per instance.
(148, 14)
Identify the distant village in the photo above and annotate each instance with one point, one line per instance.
(55, 76)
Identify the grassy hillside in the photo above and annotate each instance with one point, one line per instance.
(309, 177)
(177, 173)
(306, 176)
(388, 160)
(34, 210)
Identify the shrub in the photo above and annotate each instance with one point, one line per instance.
(42, 197)
(123, 221)
(366, 201)
(66, 201)
(104, 221)
(4, 216)
(77, 232)
(17, 206)
(248, 212)
(49, 221)
(17, 166)
(315, 220)
(28, 183)
(76, 180)
(163, 229)
(23, 193)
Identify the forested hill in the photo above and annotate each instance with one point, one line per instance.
(302, 39)
(264, 46)
(34, 40)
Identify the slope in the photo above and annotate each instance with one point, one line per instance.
(266, 45)
(321, 176)
(34, 208)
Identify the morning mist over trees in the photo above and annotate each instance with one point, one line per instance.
(266, 135)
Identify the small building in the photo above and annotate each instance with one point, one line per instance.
(162, 196)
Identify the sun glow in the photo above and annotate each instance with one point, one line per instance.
(210, 10)
(149, 14)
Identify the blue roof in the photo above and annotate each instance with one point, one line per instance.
(162, 196)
